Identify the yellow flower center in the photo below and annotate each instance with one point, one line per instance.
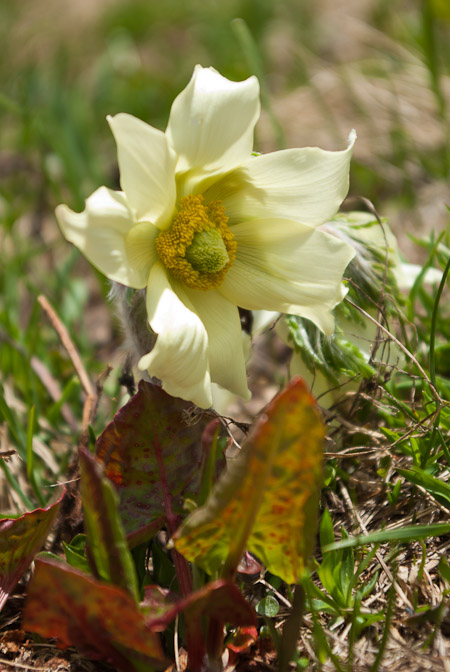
(199, 247)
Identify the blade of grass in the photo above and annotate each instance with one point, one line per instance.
(434, 316)
(321, 642)
(418, 282)
(389, 611)
(402, 535)
(439, 489)
(13, 425)
(30, 458)
(13, 482)
(432, 355)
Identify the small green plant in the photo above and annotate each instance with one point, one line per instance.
(135, 487)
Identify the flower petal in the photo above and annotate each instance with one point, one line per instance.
(225, 342)
(179, 357)
(285, 266)
(107, 234)
(141, 250)
(211, 122)
(307, 185)
(147, 168)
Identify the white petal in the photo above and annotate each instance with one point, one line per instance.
(286, 266)
(222, 399)
(225, 342)
(263, 319)
(140, 249)
(147, 168)
(407, 274)
(307, 185)
(212, 121)
(105, 233)
(179, 357)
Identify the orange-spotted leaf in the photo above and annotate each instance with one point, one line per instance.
(152, 451)
(20, 540)
(101, 620)
(267, 500)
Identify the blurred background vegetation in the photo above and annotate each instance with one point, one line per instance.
(379, 66)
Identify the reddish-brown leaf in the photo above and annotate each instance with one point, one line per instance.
(101, 620)
(20, 540)
(243, 639)
(219, 598)
(149, 450)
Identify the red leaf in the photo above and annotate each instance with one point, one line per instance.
(20, 540)
(243, 639)
(101, 620)
(218, 602)
(219, 598)
(150, 430)
(249, 565)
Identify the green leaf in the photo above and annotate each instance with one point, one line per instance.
(105, 534)
(334, 356)
(268, 606)
(267, 500)
(151, 442)
(75, 553)
(326, 532)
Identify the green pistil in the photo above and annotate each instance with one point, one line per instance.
(207, 252)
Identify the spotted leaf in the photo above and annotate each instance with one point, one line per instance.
(152, 450)
(20, 540)
(103, 621)
(267, 500)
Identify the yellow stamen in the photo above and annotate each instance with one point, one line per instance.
(199, 247)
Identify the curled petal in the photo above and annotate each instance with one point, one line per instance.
(225, 341)
(108, 236)
(285, 266)
(147, 168)
(307, 185)
(179, 357)
(212, 121)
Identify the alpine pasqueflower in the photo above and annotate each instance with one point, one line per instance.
(205, 227)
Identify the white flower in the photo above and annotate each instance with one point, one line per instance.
(205, 227)
(366, 235)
